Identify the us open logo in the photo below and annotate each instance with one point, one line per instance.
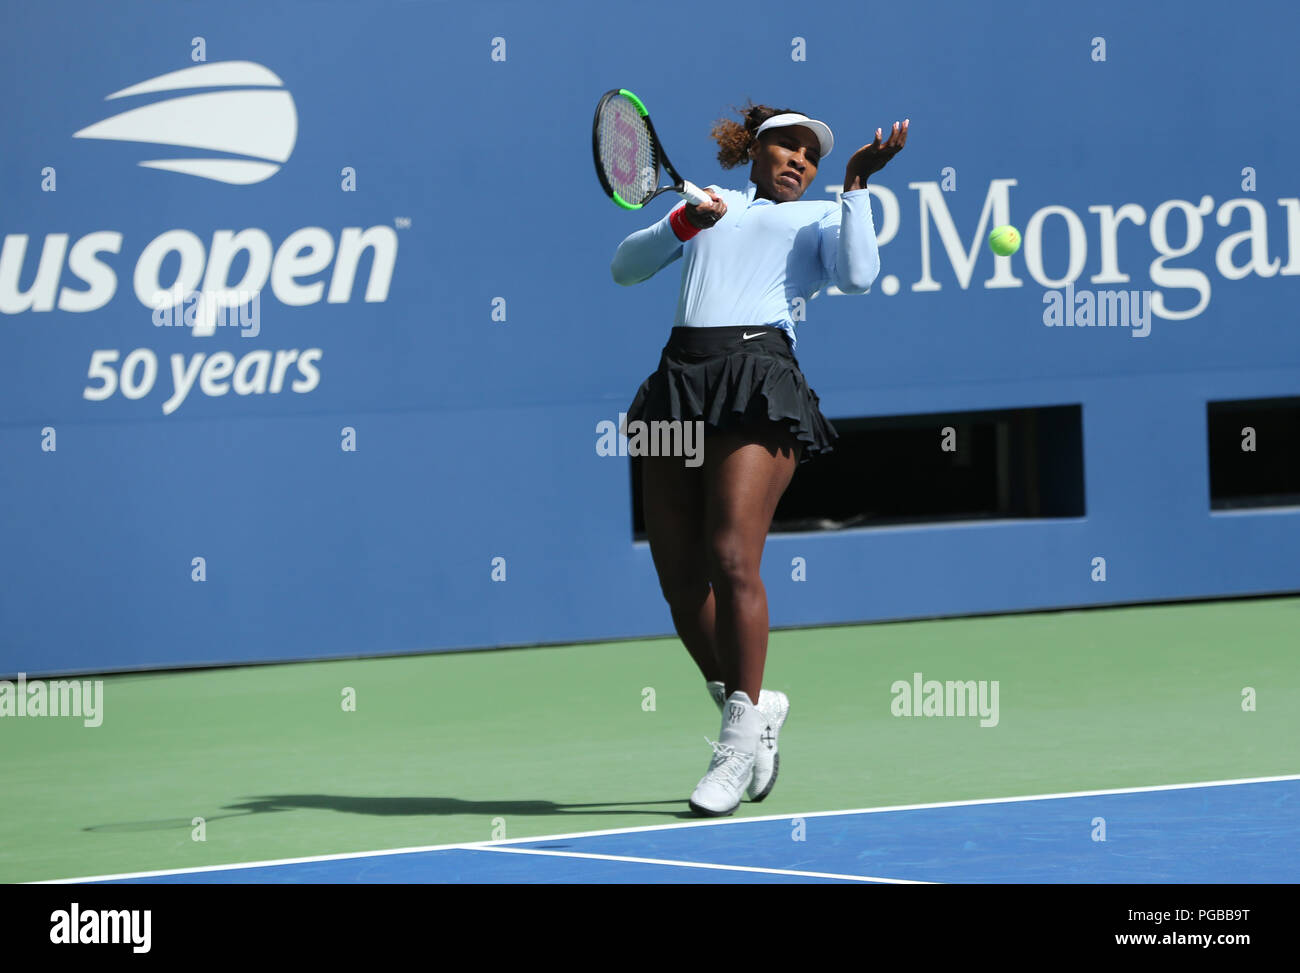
(258, 121)
(232, 123)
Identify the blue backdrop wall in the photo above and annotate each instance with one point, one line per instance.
(407, 190)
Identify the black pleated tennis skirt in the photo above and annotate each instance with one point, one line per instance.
(732, 378)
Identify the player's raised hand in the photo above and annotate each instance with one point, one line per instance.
(872, 158)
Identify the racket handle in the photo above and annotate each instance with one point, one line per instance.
(693, 194)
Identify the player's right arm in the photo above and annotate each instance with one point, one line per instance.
(645, 253)
(648, 251)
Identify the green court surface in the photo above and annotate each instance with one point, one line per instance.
(448, 748)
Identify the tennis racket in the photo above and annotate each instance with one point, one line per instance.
(629, 154)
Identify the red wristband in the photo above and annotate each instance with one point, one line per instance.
(682, 227)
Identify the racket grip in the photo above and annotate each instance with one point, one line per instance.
(693, 194)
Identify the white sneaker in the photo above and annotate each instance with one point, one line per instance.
(732, 767)
(775, 707)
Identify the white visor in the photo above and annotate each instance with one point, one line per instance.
(820, 129)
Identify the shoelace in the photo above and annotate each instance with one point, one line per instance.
(728, 763)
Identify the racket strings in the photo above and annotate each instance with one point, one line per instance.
(627, 152)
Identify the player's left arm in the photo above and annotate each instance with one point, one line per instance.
(870, 159)
(849, 251)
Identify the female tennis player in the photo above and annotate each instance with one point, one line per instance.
(729, 362)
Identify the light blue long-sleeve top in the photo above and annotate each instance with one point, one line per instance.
(750, 266)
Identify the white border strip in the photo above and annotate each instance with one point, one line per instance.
(666, 827)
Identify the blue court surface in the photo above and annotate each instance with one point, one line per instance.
(1232, 832)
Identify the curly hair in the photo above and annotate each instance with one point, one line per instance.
(734, 139)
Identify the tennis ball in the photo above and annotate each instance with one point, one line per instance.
(1004, 240)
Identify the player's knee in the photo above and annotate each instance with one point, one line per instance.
(684, 590)
(731, 566)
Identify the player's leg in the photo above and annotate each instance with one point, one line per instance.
(745, 475)
(745, 479)
(673, 501)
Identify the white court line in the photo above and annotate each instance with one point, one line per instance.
(667, 827)
(889, 808)
(687, 864)
(269, 863)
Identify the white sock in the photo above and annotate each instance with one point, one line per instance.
(717, 692)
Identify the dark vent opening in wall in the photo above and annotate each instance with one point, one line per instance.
(1254, 453)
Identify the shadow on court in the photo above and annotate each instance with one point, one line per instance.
(403, 806)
